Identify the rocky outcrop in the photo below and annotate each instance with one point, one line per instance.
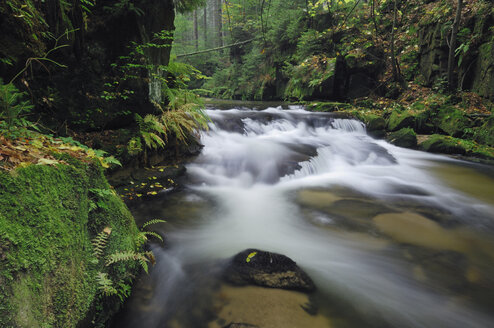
(476, 70)
(93, 87)
(256, 267)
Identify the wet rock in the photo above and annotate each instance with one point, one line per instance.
(403, 138)
(256, 267)
(240, 325)
(376, 126)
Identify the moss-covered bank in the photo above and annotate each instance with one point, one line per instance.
(442, 126)
(48, 217)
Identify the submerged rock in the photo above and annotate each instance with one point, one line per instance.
(241, 325)
(256, 267)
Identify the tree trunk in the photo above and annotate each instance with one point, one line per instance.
(393, 57)
(205, 25)
(196, 31)
(219, 8)
(452, 46)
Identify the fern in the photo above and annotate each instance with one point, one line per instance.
(142, 258)
(150, 129)
(151, 222)
(100, 241)
(105, 285)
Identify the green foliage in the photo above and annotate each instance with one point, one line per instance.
(309, 76)
(13, 108)
(151, 222)
(141, 257)
(105, 284)
(99, 242)
(150, 129)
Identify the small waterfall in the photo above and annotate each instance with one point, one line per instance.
(359, 215)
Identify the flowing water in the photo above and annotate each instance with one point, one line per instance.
(392, 237)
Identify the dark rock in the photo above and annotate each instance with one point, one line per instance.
(240, 325)
(360, 85)
(256, 267)
(403, 138)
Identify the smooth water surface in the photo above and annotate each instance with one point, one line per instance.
(392, 237)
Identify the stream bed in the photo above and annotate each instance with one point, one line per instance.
(392, 237)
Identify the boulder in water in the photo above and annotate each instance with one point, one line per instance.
(256, 267)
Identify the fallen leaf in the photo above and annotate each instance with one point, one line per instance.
(46, 161)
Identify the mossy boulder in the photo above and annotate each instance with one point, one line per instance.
(405, 137)
(376, 126)
(450, 120)
(485, 134)
(399, 120)
(443, 144)
(48, 217)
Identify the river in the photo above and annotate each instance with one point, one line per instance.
(392, 237)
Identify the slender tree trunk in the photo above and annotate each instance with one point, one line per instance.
(452, 46)
(220, 22)
(196, 31)
(394, 66)
(205, 25)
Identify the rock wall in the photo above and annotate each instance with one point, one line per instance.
(476, 71)
(98, 37)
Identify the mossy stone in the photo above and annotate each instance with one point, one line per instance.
(399, 120)
(450, 120)
(405, 137)
(47, 269)
(442, 144)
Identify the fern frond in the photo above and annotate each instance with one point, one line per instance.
(152, 233)
(105, 285)
(128, 256)
(154, 221)
(99, 242)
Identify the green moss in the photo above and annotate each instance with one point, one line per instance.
(450, 120)
(485, 133)
(405, 137)
(400, 119)
(448, 145)
(328, 106)
(48, 269)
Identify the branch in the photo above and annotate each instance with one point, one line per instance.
(218, 48)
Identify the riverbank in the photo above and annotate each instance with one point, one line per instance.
(61, 223)
(432, 122)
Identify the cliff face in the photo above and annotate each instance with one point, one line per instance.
(476, 42)
(93, 38)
